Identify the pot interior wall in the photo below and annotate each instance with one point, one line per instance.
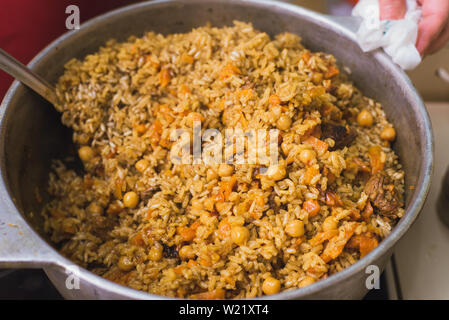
(33, 133)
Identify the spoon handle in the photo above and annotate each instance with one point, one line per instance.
(28, 77)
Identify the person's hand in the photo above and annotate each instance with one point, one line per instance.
(433, 29)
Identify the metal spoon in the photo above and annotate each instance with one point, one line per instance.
(28, 77)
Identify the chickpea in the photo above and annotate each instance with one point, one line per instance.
(155, 253)
(125, 263)
(365, 118)
(284, 122)
(186, 253)
(86, 153)
(130, 199)
(306, 281)
(274, 100)
(83, 138)
(295, 228)
(271, 286)
(330, 223)
(142, 165)
(141, 128)
(388, 134)
(307, 155)
(225, 170)
(317, 77)
(276, 172)
(95, 209)
(239, 235)
(211, 174)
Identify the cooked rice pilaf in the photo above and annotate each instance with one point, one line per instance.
(225, 230)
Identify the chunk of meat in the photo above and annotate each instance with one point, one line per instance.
(343, 136)
(382, 194)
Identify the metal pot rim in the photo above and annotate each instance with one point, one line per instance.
(409, 217)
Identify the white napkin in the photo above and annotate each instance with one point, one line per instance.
(396, 37)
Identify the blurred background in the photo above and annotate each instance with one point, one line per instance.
(424, 77)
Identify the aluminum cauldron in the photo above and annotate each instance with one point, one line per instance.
(31, 133)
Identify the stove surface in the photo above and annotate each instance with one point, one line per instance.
(24, 284)
(422, 256)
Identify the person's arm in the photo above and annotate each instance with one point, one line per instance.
(433, 29)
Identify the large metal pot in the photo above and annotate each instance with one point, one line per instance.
(31, 133)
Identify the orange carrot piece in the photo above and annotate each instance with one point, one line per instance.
(332, 71)
(374, 154)
(228, 71)
(312, 207)
(155, 132)
(306, 56)
(317, 144)
(149, 58)
(164, 77)
(225, 189)
(187, 59)
(188, 233)
(311, 172)
(184, 89)
(179, 269)
(224, 229)
(140, 128)
(245, 94)
(166, 112)
(192, 263)
(330, 176)
(274, 100)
